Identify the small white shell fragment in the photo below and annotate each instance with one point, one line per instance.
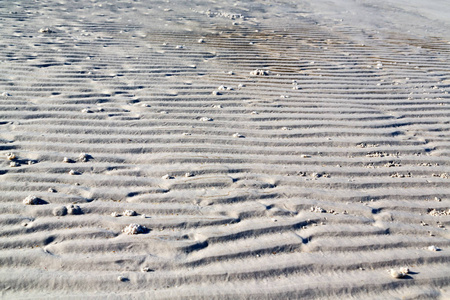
(206, 119)
(129, 213)
(121, 278)
(216, 93)
(167, 176)
(51, 190)
(72, 172)
(238, 135)
(218, 106)
(200, 41)
(67, 160)
(433, 248)
(46, 30)
(31, 200)
(223, 88)
(240, 86)
(286, 128)
(11, 156)
(14, 164)
(86, 111)
(404, 270)
(5, 94)
(254, 113)
(145, 269)
(115, 214)
(134, 229)
(259, 72)
(188, 174)
(186, 133)
(179, 46)
(296, 87)
(379, 65)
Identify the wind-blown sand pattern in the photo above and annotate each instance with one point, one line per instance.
(203, 149)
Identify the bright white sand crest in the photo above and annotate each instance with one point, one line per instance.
(224, 149)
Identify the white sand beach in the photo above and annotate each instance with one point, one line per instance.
(224, 149)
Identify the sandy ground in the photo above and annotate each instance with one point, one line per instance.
(224, 150)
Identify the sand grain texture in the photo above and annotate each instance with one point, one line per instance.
(224, 150)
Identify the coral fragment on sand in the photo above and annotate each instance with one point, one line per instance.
(134, 229)
(259, 72)
(32, 200)
(129, 213)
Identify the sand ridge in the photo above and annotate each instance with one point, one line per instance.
(204, 150)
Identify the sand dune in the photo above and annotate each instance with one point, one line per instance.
(224, 150)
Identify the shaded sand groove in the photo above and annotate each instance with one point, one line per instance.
(310, 178)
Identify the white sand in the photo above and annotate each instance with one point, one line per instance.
(224, 150)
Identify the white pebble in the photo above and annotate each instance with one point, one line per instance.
(74, 210)
(167, 176)
(83, 157)
(122, 278)
(238, 135)
(206, 119)
(188, 174)
(14, 164)
(59, 211)
(396, 274)
(433, 248)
